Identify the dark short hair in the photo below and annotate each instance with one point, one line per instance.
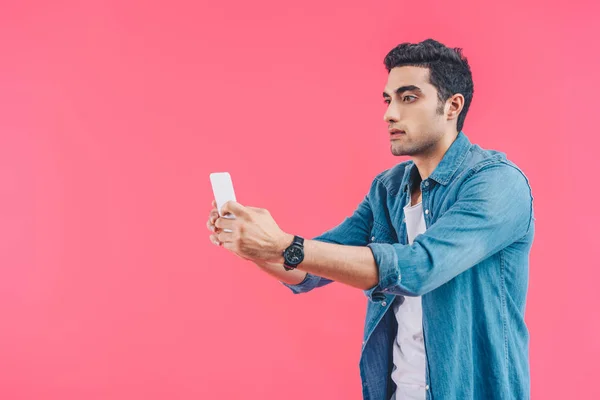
(449, 71)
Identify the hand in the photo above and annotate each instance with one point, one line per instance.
(210, 224)
(254, 233)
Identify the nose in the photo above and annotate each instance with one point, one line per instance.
(391, 115)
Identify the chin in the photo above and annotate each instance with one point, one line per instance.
(399, 151)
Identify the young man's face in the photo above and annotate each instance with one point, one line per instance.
(415, 110)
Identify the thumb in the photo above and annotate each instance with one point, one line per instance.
(233, 207)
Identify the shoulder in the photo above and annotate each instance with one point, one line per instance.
(496, 181)
(392, 178)
(495, 166)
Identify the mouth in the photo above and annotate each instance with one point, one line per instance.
(396, 134)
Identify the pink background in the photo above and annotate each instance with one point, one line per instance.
(113, 115)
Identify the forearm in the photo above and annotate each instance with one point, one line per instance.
(351, 265)
(277, 271)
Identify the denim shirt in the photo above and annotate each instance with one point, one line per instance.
(471, 268)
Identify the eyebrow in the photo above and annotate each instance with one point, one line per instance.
(402, 89)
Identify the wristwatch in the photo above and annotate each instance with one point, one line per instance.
(294, 254)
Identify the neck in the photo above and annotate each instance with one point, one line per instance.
(427, 162)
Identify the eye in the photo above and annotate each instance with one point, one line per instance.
(411, 98)
(386, 101)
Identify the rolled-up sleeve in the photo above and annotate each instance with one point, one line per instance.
(493, 209)
(309, 283)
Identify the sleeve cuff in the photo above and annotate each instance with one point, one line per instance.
(387, 264)
(309, 283)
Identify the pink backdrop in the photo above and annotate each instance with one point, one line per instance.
(112, 116)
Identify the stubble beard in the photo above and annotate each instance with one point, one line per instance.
(413, 149)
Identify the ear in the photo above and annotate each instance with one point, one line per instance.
(456, 104)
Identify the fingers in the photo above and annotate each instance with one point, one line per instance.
(221, 226)
(210, 224)
(214, 215)
(221, 237)
(224, 237)
(215, 240)
(224, 223)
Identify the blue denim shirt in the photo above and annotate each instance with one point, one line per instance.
(471, 268)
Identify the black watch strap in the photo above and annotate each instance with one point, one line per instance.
(298, 240)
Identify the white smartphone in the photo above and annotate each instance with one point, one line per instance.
(222, 187)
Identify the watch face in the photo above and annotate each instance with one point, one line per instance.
(294, 255)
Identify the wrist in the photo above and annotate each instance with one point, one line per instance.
(294, 253)
(285, 241)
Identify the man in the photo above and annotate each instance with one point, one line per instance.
(440, 245)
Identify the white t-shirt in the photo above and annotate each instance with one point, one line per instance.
(409, 350)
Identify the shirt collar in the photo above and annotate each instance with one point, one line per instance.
(453, 158)
(448, 166)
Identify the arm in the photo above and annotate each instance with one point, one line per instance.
(276, 270)
(352, 231)
(493, 209)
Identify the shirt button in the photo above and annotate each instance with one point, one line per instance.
(426, 183)
(383, 303)
(426, 211)
(372, 239)
(427, 387)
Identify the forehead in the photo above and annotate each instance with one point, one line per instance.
(408, 75)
